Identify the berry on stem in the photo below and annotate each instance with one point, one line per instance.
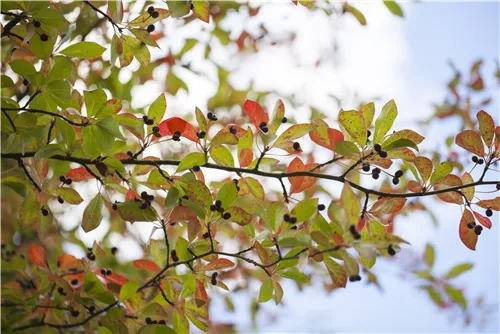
(151, 28)
(44, 37)
(489, 212)
(296, 146)
(321, 207)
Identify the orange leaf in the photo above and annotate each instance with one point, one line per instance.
(471, 141)
(246, 157)
(79, 174)
(387, 205)
(200, 295)
(295, 166)
(219, 264)
(37, 256)
(255, 112)
(169, 126)
(66, 261)
(131, 195)
(485, 221)
(493, 204)
(114, 278)
(467, 235)
(486, 127)
(147, 265)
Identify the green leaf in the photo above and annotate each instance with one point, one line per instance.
(202, 10)
(49, 16)
(199, 193)
(357, 14)
(6, 82)
(384, 240)
(222, 156)
(305, 209)
(354, 123)
(178, 8)
(399, 144)
(94, 289)
(131, 211)
(191, 160)
(223, 137)
(94, 100)
(42, 49)
(28, 213)
(456, 295)
(295, 275)
(394, 8)
(351, 204)
(441, 171)
(180, 322)
(62, 69)
(346, 148)
(429, 255)
(49, 150)
(188, 286)
(84, 50)
(227, 194)
(266, 291)
(156, 329)
(459, 269)
(115, 164)
(384, 121)
(434, 295)
(128, 290)
(22, 67)
(294, 132)
(172, 198)
(337, 272)
(240, 216)
(157, 108)
(69, 195)
(92, 215)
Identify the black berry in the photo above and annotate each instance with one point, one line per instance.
(226, 215)
(489, 212)
(201, 134)
(375, 176)
(150, 121)
(498, 186)
(36, 23)
(196, 168)
(284, 120)
(156, 128)
(151, 10)
(354, 232)
(395, 181)
(265, 129)
(26, 82)
(155, 15)
(377, 147)
(286, 217)
(296, 146)
(130, 153)
(376, 170)
(478, 229)
(75, 313)
(382, 154)
(366, 167)
(60, 290)
(293, 220)
(399, 173)
(233, 130)
(151, 28)
(74, 281)
(475, 159)
(45, 212)
(175, 258)
(144, 195)
(321, 207)
(218, 203)
(211, 116)
(114, 207)
(44, 37)
(354, 278)
(206, 235)
(69, 181)
(62, 179)
(391, 250)
(213, 207)
(108, 272)
(162, 322)
(148, 320)
(114, 250)
(92, 309)
(471, 225)
(60, 200)
(143, 206)
(480, 161)
(103, 272)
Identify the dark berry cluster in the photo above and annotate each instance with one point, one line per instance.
(201, 134)
(147, 120)
(74, 313)
(90, 254)
(217, 206)
(106, 272)
(176, 136)
(354, 278)
(7, 254)
(156, 131)
(154, 14)
(214, 278)
(354, 232)
(206, 235)
(174, 256)
(263, 127)
(376, 173)
(65, 180)
(27, 284)
(378, 149)
(477, 160)
(147, 199)
(289, 219)
(478, 229)
(150, 321)
(397, 175)
(211, 116)
(471, 225)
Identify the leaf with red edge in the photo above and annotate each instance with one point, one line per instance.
(386, 205)
(296, 165)
(325, 136)
(471, 141)
(66, 261)
(255, 112)
(493, 204)
(414, 186)
(424, 167)
(79, 174)
(485, 221)
(468, 192)
(449, 181)
(263, 254)
(147, 265)
(486, 127)
(467, 235)
(497, 138)
(200, 295)
(169, 126)
(115, 278)
(37, 256)
(219, 264)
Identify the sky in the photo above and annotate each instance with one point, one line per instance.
(405, 59)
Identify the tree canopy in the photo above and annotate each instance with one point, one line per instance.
(204, 183)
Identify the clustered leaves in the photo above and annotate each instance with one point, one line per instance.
(64, 138)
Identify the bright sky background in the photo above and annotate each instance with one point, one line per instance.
(405, 59)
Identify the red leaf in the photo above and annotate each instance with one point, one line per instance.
(147, 265)
(169, 126)
(200, 295)
(37, 256)
(255, 112)
(131, 195)
(113, 278)
(485, 221)
(246, 157)
(471, 141)
(79, 174)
